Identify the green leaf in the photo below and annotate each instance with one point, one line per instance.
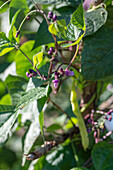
(41, 121)
(52, 29)
(94, 20)
(109, 22)
(6, 99)
(5, 113)
(3, 8)
(31, 112)
(3, 39)
(6, 109)
(37, 59)
(53, 2)
(43, 37)
(62, 157)
(2, 88)
(97, 55)
(30, 96)
(48, 90)
(6, 127)
(15, 5)
(78, 17)
(102, 156)
(16, 21)
(16, 85)
(53, 128)
(22, 63)
(5, 45)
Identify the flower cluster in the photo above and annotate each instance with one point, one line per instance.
(59, 74)
(108, 115)
(51, 51)
(51, 16)
(31, 73)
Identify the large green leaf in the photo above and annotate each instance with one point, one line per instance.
(31, 112)
(78, 17)
(43, 37)
(30, 96)
(15, 85)
(102, 155)
(22, 63)
(5, 113)
(97, 55)
(6, 127)
(15, 5)
(94, 20)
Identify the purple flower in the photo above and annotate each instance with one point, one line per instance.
(50, 15)
(17, 34)
(27, 74)
(55, 17)
(69, 73)
(55, 82)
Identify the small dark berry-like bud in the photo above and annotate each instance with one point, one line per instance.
(49, 52)
(110, 118)
(89, 120)
(55, 17)
(51, 49)
(28, 17)
(17, 34)
(27, 74)
(50, 15)
(34, 73)
(105, 117)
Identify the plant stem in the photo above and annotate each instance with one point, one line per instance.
(75, 154)
(25, 18)
(74, 56)
(44, 15)
(61, 110)
(4, 3)
(28, 60)
(85, 164)
(40, 11)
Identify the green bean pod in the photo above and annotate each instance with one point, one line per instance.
(81, 123)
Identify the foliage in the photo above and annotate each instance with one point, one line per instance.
(55, 80)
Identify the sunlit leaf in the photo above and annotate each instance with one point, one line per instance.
(37, 59)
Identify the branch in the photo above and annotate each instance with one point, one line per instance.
(44, 149)
(61, 111)
(29, 60)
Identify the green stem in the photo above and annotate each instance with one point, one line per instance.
(4, 4)
(25, 18)
(28, 60)
(75, 154)
(74, 56)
